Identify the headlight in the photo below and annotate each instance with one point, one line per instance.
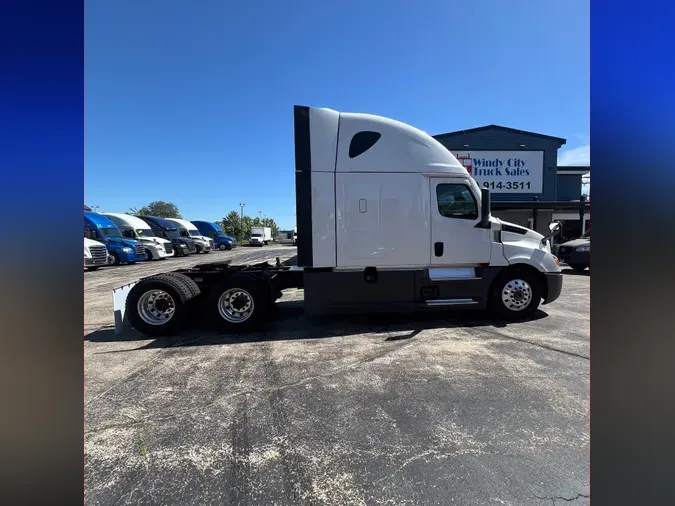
(183, 245)
(127, 250)
(585, 247)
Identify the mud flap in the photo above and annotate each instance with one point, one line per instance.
(119, 305)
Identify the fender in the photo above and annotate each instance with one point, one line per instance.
(523, 253)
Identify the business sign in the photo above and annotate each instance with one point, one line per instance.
(505, 171)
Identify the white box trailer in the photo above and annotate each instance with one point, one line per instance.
(260, 236)
(388, 220)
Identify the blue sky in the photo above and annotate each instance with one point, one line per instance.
(190, 101)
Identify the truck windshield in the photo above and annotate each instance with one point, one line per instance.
(172, 233)
(110, 232)
(195, 233)
(145, 232)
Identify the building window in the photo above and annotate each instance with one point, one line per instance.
(362, 142)
(456, 201)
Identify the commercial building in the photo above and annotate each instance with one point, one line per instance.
(521, 170)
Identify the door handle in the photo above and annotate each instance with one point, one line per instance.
(438, 249)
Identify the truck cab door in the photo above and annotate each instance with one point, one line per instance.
(455, 212)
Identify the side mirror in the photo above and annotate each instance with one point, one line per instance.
(555, 227)
(485, 207)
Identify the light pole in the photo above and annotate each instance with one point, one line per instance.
(241, 221)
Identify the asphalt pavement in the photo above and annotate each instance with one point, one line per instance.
(447, 408)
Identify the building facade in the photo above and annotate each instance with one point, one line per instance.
(521, 170)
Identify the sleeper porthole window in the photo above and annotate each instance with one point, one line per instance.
(456, 201)
(362, 142)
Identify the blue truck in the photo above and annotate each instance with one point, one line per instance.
(182, 246)
(120, 249)
(213, 231)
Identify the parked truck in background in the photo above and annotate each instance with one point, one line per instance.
(187, 229)
(260, 236)
(120, 250)
(157, 248)
(355, 194)
(212, 230)
(95, 254)
(182, 246)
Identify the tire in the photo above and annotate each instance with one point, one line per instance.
(578, 267)
(222, 247)
(198, 249)
(509, 286)
(114, 260)
(252, 291)
(207, 252)
(149, 253)
(186, 281)
(179, 295)
(92, 268)
(229, 247)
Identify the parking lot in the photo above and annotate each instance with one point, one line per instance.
(377, 410)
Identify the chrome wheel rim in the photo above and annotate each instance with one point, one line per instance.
(222, 247)
(235, 305)
(516, 295)
(156, 307)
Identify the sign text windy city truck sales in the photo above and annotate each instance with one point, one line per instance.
(505, 171)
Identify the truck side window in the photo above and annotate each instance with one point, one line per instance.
(456, 201)
(362, 142)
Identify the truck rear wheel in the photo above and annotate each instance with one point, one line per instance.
(516, 294)
(156, 306)
(240, 303)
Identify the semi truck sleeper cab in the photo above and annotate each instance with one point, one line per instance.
(209, 229)
(354, 194)
(161, 227)
(121, 250)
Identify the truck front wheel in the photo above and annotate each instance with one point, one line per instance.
(240, 303)
(113, 259)
(516, 294)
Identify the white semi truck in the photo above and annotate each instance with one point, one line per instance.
(260, 236)
(157, 248)
(356, 192)
(95, 254)
(188, 229)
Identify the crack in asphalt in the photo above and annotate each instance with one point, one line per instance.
(560, 498)
(533, 343)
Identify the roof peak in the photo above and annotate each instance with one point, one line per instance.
(499, 127)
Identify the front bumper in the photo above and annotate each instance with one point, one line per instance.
(92, 262)
(554, 281)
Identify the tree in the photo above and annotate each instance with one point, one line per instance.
(234, 225)
(246, 225)
(158, 208)
(231, 225)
